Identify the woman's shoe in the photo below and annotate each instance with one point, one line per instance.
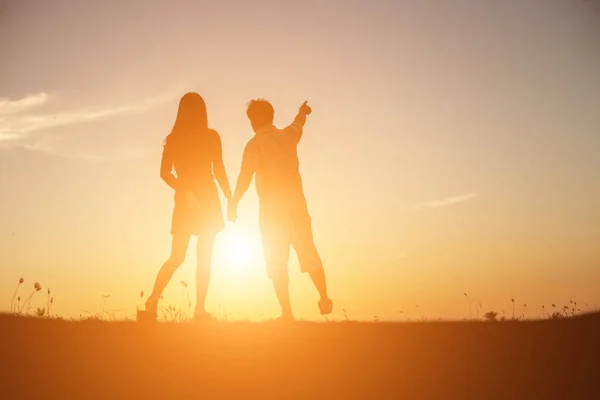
(285, 318)
(146, 316)
(204, 316)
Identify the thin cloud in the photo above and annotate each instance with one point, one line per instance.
(8, 136)
(446, 202)
(55, 151)
(16, 122)
(8, 107)
(22, 125)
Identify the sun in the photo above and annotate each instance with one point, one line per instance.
(238, 249)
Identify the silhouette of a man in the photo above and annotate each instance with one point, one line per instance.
(283, 213)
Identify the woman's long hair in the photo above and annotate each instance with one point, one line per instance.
(191, 122)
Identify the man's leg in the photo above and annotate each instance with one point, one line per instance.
(320, 282)
(310, 261)
(281, 283)
(276, 247)
(276, 255)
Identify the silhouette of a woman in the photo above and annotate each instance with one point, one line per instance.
(194, 151)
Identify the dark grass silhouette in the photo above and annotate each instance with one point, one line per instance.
(548, 359)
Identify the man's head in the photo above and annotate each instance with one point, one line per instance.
(261, 113)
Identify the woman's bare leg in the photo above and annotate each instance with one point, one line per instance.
(178, 250)
(204, 252)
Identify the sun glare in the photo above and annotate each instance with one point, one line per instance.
(239, 252)
(238, 249)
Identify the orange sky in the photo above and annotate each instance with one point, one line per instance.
(452, 148)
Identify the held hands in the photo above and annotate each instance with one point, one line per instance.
(305, 108)
(231, 211)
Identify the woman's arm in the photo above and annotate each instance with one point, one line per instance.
(219, 169)
(166, 169)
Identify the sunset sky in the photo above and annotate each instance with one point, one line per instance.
(453, 148)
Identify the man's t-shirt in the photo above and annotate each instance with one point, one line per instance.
(272, 155)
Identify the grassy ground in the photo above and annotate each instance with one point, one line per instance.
(551, 359)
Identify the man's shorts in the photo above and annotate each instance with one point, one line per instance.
(283, 225)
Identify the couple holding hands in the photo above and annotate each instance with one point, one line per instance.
(193, 151)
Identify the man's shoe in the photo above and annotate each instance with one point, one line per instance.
(325, 306)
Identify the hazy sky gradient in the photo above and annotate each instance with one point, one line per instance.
(453, 148)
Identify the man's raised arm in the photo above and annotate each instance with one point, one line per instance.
(297, 127)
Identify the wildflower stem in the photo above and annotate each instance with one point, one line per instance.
(14, 296)
(27, 301)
